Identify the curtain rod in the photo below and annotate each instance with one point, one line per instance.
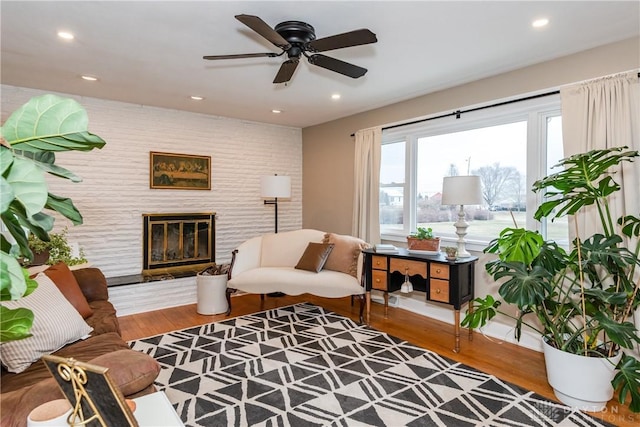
(457, 113)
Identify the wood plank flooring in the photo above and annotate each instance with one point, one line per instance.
(509, 362)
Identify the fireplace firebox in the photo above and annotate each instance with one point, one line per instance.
(178, 243)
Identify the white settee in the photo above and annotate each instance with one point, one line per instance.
(266, 264)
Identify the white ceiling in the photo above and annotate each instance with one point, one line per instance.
(150, 52)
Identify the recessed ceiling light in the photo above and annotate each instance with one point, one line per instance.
(89, 78)
(65, 35)
(539, 23)
(197, 98)
(335, 96)
(276, 111)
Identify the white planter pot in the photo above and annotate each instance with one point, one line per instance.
(578, 381)
(212, 298)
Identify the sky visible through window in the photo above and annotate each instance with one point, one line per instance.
(467, 151)
(464, 151)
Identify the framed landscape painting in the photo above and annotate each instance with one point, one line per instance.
(180, 171)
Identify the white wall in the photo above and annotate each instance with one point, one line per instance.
(115, 189)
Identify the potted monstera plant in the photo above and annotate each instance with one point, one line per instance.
(30, 138)
(579, 300)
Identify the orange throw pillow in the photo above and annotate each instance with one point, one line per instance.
(69, 287)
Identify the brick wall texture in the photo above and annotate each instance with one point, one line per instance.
(115, 189)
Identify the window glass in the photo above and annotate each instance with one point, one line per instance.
(497, 154)
(558, 228)
(392, 183)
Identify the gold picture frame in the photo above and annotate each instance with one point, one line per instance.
(95, 399)
(179, 171)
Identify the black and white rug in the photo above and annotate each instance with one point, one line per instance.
(303, 366)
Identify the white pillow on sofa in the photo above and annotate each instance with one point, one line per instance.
(55, 323)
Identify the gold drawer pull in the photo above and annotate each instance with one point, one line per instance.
(438, 270)
(437, 291)
(378, 263)
(377, 280)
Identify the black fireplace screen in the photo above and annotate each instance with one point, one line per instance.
(178, 242)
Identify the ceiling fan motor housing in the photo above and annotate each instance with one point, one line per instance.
(296, 32)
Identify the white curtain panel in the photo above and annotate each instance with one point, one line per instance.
(366, 208)
(605, 113)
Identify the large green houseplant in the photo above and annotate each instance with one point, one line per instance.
(583, 299)
(30, 138)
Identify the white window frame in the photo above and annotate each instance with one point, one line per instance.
(534, 111)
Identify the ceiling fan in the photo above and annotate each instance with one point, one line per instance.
(297, 39)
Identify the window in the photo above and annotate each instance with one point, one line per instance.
(509, 147)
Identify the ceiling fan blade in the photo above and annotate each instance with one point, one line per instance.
(337, 65)
(241, 55)
(262, 28)
(339, 41)
(286, 71)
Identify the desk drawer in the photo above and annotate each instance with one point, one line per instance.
(379, 262)
(379, 279)
(440, 271)
(413, 267)
(439, 290)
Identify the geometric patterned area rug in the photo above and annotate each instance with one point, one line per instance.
(304, 366)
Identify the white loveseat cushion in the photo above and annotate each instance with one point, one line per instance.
(326, 283)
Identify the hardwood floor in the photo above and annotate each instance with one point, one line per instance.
(509, 362)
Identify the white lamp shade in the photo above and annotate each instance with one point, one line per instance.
(461, 190)
(275, 186)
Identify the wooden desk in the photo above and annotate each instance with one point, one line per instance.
(447, 282)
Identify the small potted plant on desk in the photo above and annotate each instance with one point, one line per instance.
(580, 301)
(451, 252)
(423, 240)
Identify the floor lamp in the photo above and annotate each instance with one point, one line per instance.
(461, 190)
(274, 186)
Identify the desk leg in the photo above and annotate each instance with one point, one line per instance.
(368, 297)
(386, 305)
(456, 320)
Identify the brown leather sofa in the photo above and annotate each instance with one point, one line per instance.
(132, 371)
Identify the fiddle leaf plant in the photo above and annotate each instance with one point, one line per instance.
(582, 299)
(29, 140)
